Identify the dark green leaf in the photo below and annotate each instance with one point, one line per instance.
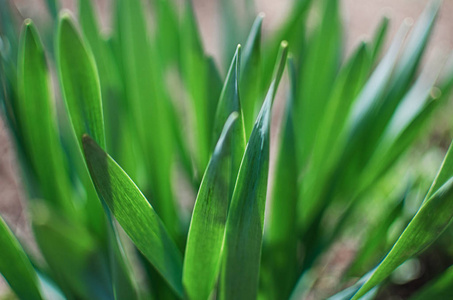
(230, 102)
(37, 125)
(16, 267)
(281, 240)
(244, 227)
(431, 220)
(80, 81)
(251, 73)
(207, 228)
(134, 214)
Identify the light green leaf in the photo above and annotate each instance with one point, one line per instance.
(195, 71)
(230, 102)
(147, 108)
(207, 227)
(135, 215)
(281, 239)
(244, 227)
(80, 81)
(431, 220)
(15, 266)
(250, 84)
(37, 125)
(318, 70)
(379, 39)
(331, 131)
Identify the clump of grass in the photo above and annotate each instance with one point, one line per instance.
(115, 158)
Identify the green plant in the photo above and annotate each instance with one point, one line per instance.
(149, 113)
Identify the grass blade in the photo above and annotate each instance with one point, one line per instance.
(147, 107)
(318, 71)
(244, 227)
(135, 215)
(230, 102)
(250, 81)
(80, 82)
(207, 227)
(281, 240)
(38, 130)
(431, 220)
(16, 267)
(379, 39)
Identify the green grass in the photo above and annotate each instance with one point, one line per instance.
(157, 180)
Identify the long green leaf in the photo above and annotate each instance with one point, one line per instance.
(80, 82)
(37, 125)
(16, 267)
(195, 75)
(318, 71)
(379, 39)
(207, 227)
(281, 240)
(81, 89)
(230, 102)
(147, 108)
(251, 73)
(244, 228)
(134, 214)
(431, 220)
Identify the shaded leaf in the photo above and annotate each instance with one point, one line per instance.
(207, 227)
(135, 215)
(16, 267)
(244, 227)
(80, 81)
(431, 220)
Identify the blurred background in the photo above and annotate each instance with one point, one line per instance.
(360, 18)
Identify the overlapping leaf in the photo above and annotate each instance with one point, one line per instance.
(134, 214)
(207, 227)
(244, 227)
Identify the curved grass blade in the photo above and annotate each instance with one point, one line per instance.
(244, 227)
(80, 82)
(431, 220)
(404, 73)
(250, 81)
(195, 71)
(294, 31)
(318, 70)
(147, 107)
(281, 240)
(81, 89)
(207, 227)
(35, 116)
(331, 131)
(109, 75)
(168, 34)
(230, 102)
(133, 212)
(16, 267)
(379, 39)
